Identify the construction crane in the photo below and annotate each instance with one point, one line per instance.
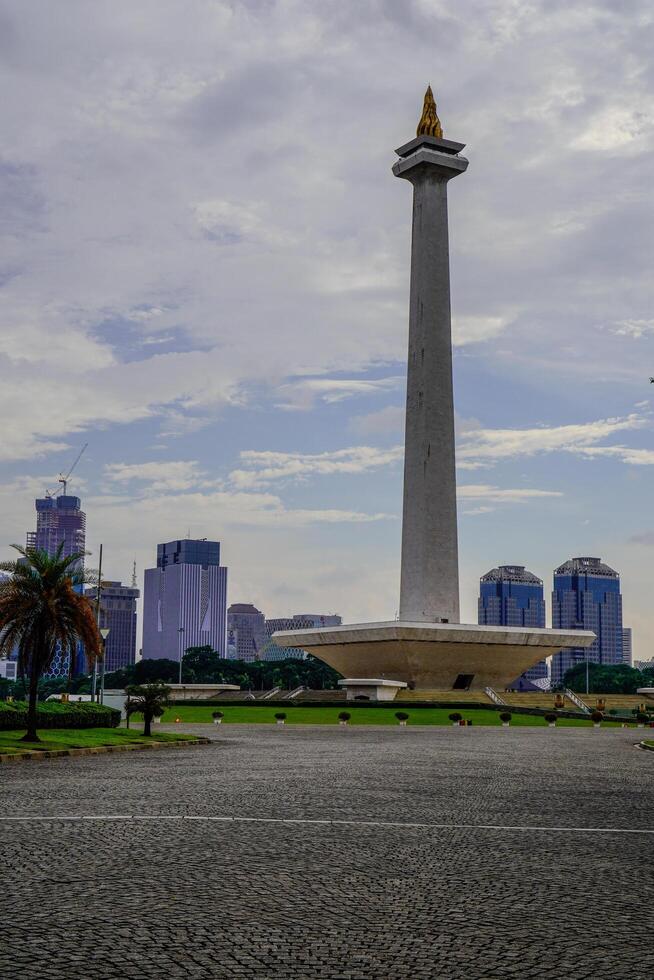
(64, 479)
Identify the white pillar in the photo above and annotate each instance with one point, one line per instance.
(429, 590)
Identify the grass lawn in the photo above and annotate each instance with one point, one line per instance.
(239, 714)
(60, 738)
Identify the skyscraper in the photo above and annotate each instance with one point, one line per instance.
(587, 596)
(300, 621)
(184, 599)
(627, 651)
(511, 596)
(60, 520)
(246, 628)
(118, 615)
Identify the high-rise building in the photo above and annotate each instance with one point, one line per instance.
(511, 596)
(627, 651)
(246, 632)
(185, 600)
(301, 621)
(118, 615)
(587, 596)
(60, 520)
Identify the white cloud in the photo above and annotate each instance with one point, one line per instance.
(263, 468)
(476, 329)
(303, 394)
(483, 446)
(634, 328)
(170, 475)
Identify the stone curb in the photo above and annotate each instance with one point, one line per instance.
(644, 745)
(101, 749)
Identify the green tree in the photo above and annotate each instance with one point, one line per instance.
(604, 679)
(40, 611)
(148, 700)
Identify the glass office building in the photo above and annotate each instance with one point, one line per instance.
(512, 596)
(587, 596)
(185, 600)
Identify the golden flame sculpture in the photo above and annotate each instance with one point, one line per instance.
(430, 124)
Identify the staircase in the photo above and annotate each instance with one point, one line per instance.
(494, 696)
(293, 694)
(577, 700)
(445, 697)
(270, 694)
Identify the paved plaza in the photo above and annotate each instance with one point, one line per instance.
(519, 880)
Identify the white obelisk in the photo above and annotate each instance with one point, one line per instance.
(429, 590)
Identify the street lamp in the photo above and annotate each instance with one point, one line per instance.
(104, 633)
(180, 633)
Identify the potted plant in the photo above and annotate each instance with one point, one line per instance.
(455, 718)
(217, 717)
(280, 717)
(641, 718)
(402, 718)
(344, 717)
(550, 718)
(596, 718)
(505, 718)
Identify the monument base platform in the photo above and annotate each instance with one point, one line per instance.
(445, 656)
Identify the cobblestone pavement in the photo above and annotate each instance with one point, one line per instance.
(170, 898)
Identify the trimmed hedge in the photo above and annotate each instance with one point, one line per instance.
(52, 714)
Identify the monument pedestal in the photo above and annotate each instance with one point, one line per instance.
(437, 656)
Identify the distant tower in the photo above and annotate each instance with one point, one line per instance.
(511, 596)
(185, 600)
(60, 520)
(627, 650)
(246, 625)
(587, 596)
(134, 575)
(118, 615)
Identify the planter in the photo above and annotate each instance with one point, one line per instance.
(596, 724)
(342, 723)
(640, 725)
(280, 721)
(505, 724)
(217, 721)
(551, 724)
(157, 720)
(402, 724)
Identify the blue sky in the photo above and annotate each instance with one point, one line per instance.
(205, 276)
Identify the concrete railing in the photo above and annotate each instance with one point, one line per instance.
(294, 694)
(494, 696)
(270, 694)
(577, 700)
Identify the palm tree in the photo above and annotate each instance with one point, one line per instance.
(40, 611)
(148, 700)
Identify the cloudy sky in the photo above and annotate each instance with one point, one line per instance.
(204, 274)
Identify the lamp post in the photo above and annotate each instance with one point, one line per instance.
(104, 633)
(180, 633)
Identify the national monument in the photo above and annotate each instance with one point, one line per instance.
(428, 647)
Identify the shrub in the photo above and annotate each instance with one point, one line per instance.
(344, 716)
(401, 715)
(597, 716)
(217, 714)
(642, 718)
(455, 716)
(52, 714)
(550, 717)
(613, 711)
(505, 716)
(280, 715)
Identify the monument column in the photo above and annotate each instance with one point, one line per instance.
(430, 568)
